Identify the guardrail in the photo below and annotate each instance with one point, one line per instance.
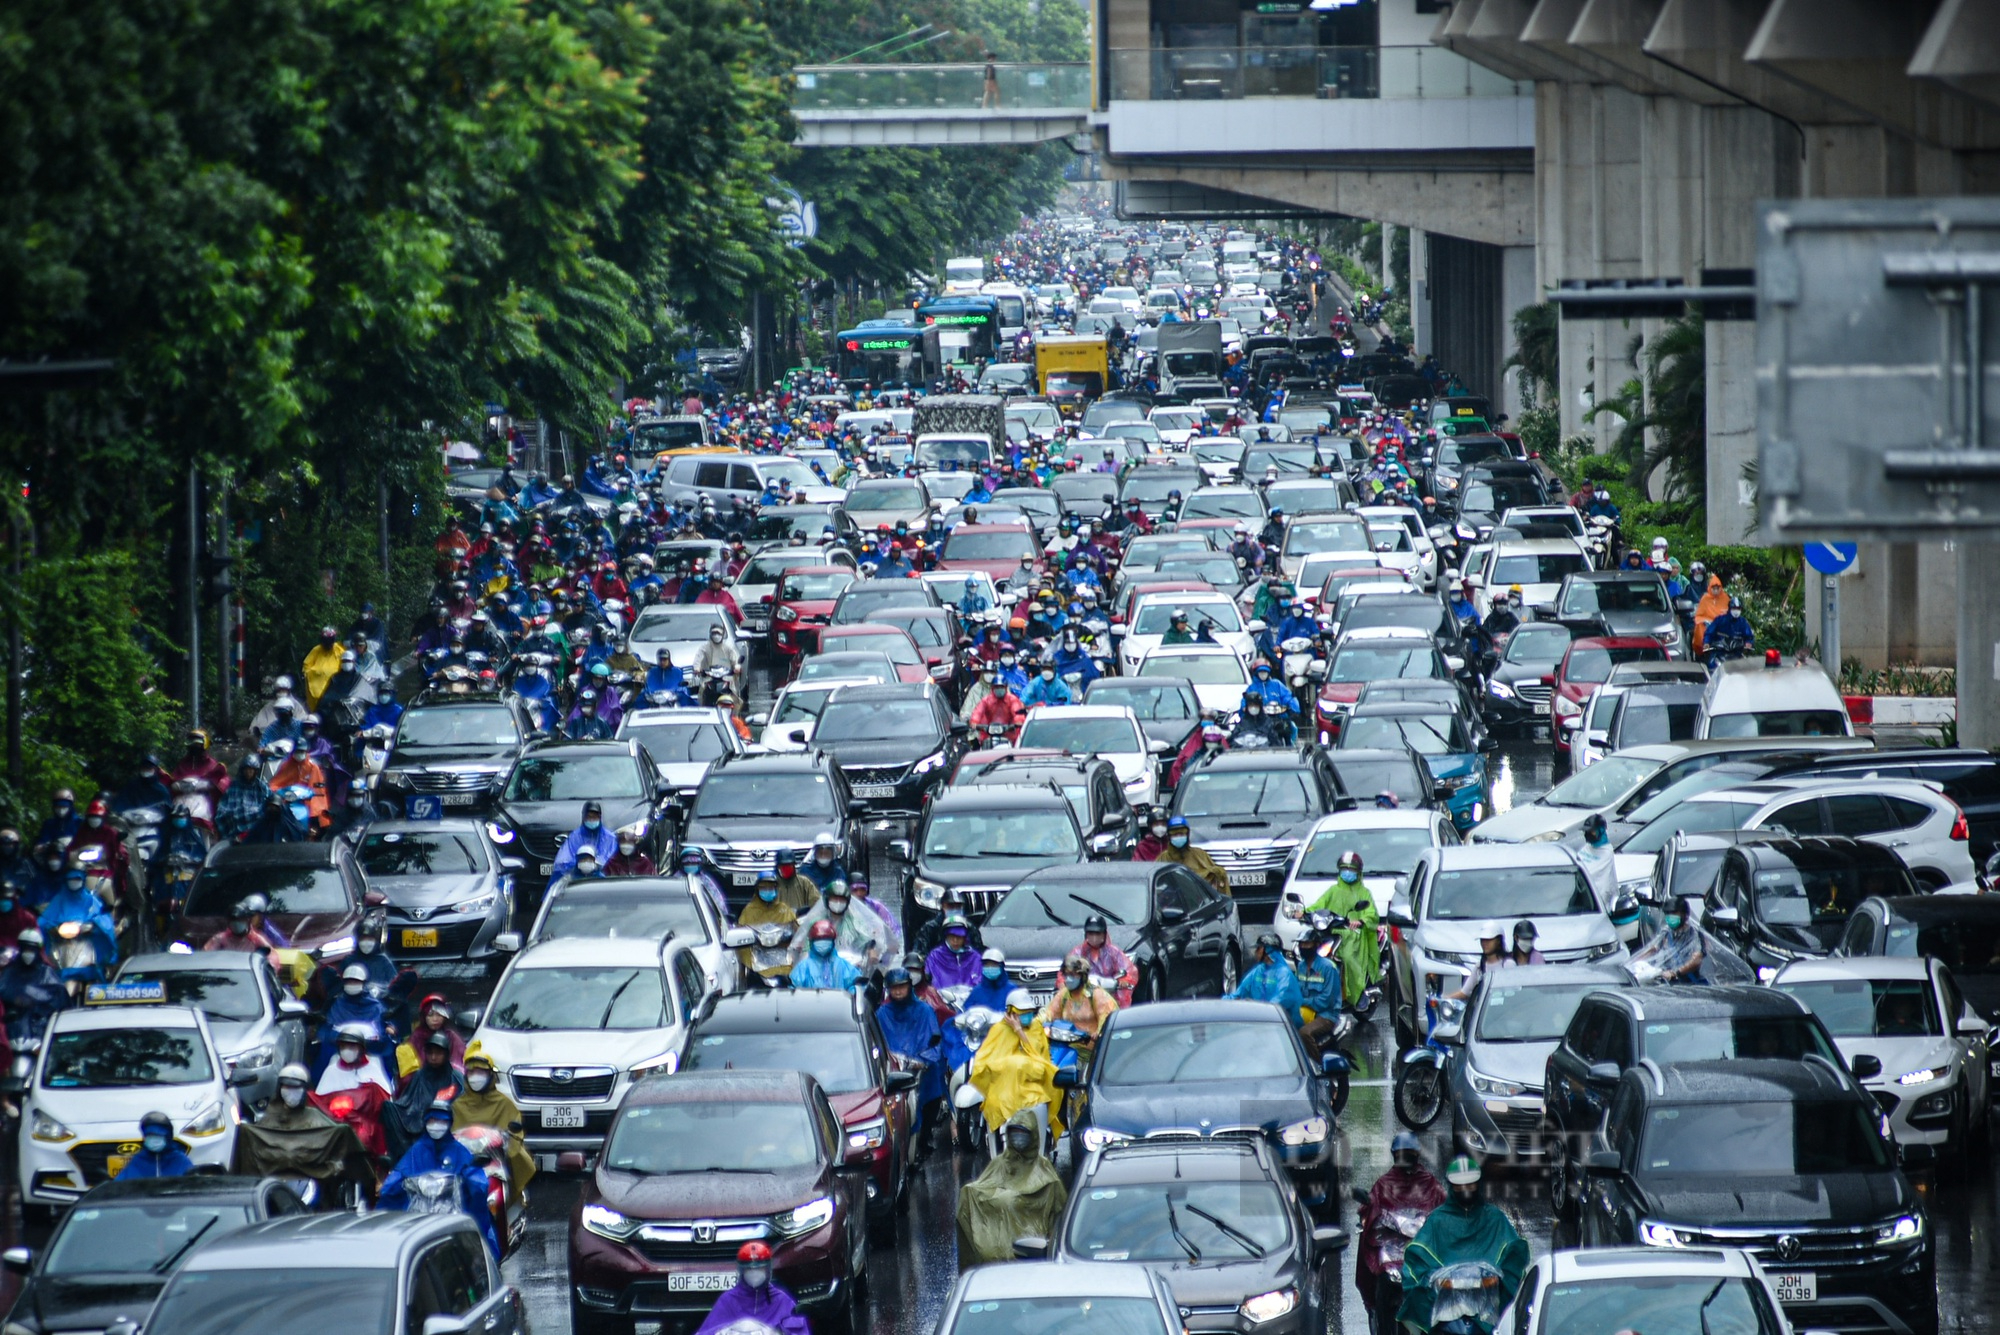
(1231, 73)
(956, 88)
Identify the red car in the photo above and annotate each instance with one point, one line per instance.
(870, 638)
(936, 631)
(996, 549)
(1587, 665)
(802, 602)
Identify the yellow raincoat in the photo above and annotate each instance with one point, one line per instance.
(320, 665)
(1013, 1070)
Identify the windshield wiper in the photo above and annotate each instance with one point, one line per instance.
(1093, 904)
(1058, 921)
(604, 1021)
(1230, 1231)
(1712, 1295)
(1174, 1227)
(166, 1263)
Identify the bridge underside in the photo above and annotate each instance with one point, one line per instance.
(923, 128)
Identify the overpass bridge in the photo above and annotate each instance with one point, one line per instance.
(856, 106)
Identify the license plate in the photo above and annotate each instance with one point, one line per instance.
(1995, 1067)
(420, 938)
(701, 1281)
(743, 878)
(548, 869)
(1542, 709)
(1795, 1286)
(873, 790)
(1248, 877)
(461, 799)
(116, 1164)
(562, 1117)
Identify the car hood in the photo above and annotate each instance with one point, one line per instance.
(1172, 731)
(1739, 1202)
(62, 1302)
(1207, 830)
(999, 873)
(1571, 931)
(620, 1048)
(1900, 1056)
(561, 817)
(1656, 624)
(1222, 1104)
(1345, 692)
(427, 892)
(705, 1195)
(882, 751)
(1525, 822)
(1048, 945)
(449, 757)
(766, 832)
(1224, 1285)
(861, 1106)
(232, 1036)
(682, 776)
(1509, 673)
(1522, 1063)
(1453, 765)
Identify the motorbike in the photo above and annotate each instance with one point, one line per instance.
(1600, 541)
(714, 684)
(770, 957)
(180, 873)
(1297, 659)
(198, 797)
(1466, 1299)
(968, 1117)
(1386, 1240)
(432, 1193)
(373, 745)
(1719, 648)
(1067, 1048)
(74, 953)
(1421, 1085)
(488, 1148)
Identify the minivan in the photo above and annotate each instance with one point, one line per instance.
(1768, 697)
(727, 477)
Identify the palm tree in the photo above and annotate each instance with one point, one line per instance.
(1536, 355)
(1673, 381)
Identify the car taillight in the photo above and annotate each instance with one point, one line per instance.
(1959, 830)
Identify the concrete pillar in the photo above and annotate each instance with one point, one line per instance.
(1388, 251)
(1420, 291)
(1978, 645)
(1517, 289)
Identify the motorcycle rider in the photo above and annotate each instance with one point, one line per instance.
(1597, 859)
(1002, 707)
(1018, 1193)
(889, 930)
(767, 908)
(663, 678)
(1503, 617)
(630, 859)
(755, 1298)
(590, 834)
(1465, 1227)
(826, 865)
(1046, 688)
(912, 1029)
(1256, 725)
(1270, 978)
(196, 766)
(1732, 624)
(857, 933)
(1180, 848)
(436, 1081)
(433, 1021)
(1359, 952)
(718, 653)
(62, 823)
(1678, 949)
(355, 1010)
(992, 989)
(956, 961)
(1153, 842)
(435, 1151)
(1298, 623)
(1408, 1187)
(1319, 990)
(248, 928)
(15, 917)
(98, 832)
(586, 723)
(31, 989)
(485, 1103)
(822, 966)
(1080, 1002)
(1105, 959)
(75, 903)
(931, 935)
(1274, 692)
(158, 1156)
(1013, 1069)
(353, 1066)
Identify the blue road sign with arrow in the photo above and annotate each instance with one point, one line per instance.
(1831, 558)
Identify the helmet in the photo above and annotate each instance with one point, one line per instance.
(1095, 923)
(439, 1109)
(31, 936)
(1021, 1001)
(1270, 943)
(156, 1121)
(897, 976)
(1076, 964)
(1177, 823)
(993, 955)
(255, 902)
(823, 930)
(957, 922)
(1462, 1171)
(294, 1074)
(354, 973)
(913, 961)
(1594, 826)
(1350, 859)
(754, 1252)
(1404, 1141)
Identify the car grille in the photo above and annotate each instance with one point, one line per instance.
(1582, 955)
(450, 781)
(980, 899)
(1818, 1248)
(1251, 857)
(1534, 692)
(1036, 976)
(1516, 1120)
(742, 859)
(93, 1157)
(700, 1240)
(541, 846)
(581, 1087)
(874, 773)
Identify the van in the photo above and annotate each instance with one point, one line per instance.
(1769, 697)
(727, 477)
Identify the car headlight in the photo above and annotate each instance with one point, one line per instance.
(16, 1328)
(1461, 782)
(1309, 1132)
(1924, 1077)
(210, 1121)
(395, 778)
(44, 1127)
(928, 763)
(868, 1135)
(1096, 1138)
(608, 1223)
(668, 1062)
(929, 893)
(1499, 690)
(1447, 483)
(334, 949)
(1565, 705)
(477, 904)
(1671, 635)
(805, 1218)
(1545, 837)
(785, 614)
(254, 1058)
(1903, 1228)
(1604, 950)
(1270, 1306)
(1660, 1235)
(1487, 1085)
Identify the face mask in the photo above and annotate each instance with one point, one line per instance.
(1075, 981)
(64, 808)
(1466, 1197)
(755, 1276)
(1007, 659)
(592, 825)
(237, 926)
(6, 906)
(1179, 841)
(437, 1130)
(1048, 674)
(1350, 876)
(351, 1056)
(823, 859)
(477, 1081)
(1254, 710)
(155, 1143)
(1020, 1139)
(822, 948)
(625, 846)
(352, 989)
(768, 896)
(836, 907)
(366, 945)
(55, 864)
(29, 954)
(1673, 921)
(992, 973)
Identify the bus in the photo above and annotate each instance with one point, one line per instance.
(968, 326)
(882, 352)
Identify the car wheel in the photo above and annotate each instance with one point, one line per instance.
(584, 1321)
(1231, 971)
(853, 1317)
(1562, 1199)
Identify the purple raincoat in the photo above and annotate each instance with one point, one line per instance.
(770, 1305)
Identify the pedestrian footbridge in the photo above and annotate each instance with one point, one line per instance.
(856, 106)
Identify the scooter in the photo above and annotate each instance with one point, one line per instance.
(968, 1117)
(488, 1148)
(770, 958)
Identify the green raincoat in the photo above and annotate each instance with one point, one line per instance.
(1359, 954)
(1019, 1193)
(1453, 1234)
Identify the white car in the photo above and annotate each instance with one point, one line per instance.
(101, 1068)
(644, 908)
(682, 743)
(1152, 616)
(1538, 565)
(1177, 425)
(575, 1021)
(1394, 550)
(796, 710)
(1420, 537)
(1388, 842)
(1646, 1288)
(1339, 541)
(1217, 674)
(682, 630)
(1910, 1016)
(1111, 732)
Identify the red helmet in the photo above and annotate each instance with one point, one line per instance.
(754, 1251)
(823, 930)
(96, 807)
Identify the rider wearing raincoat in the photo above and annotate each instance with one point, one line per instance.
(1019, 1193)
(1359, 953)
(1012, 1069)
(1467, 1227)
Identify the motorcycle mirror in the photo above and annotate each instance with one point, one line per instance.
(1031, 1247)
(293, 1007)
(469, 1018)
(901, 849)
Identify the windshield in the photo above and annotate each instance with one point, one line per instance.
(1696, 816)
(1807, 1138)
(1387, 852)
(1647, 718)
(250, 1302)
(843, 666)
(1543, 645)
(219, 889)
(1218, 504)
(1358, 663)
(1546, 568)
(1307, 497)
(1148, 553)
(1270, 792)
(857, 605)
(1807, 905)
(1080, 736)
(1177, 419)
(1593, 663)
(580, 997)
(476, 725)
(1168, 1054)
(1201, 669)
(1461, 453)
(659, 1138)
(1389, 537)
(1726, 1038)
(1586, 596)
(1003, 545)
(1156, 618)
(727, 796)
(223, 994)
(897, 647)
(1038, 416)
(1602, 784)
(839, 1061)
(777, 525)
(572, 779)
(137, 1238)
(1305, 537)
(1510, 892)
(1221, 1221)
(849, 720)
(125, 1058)
(1488, 497)
(765, 568)
(1659, 1305)
(957, 449)
(1426, 734)
(1780, 723)
(421, 853)
(1027, 833)
(1149, 703)
(1040, 903)
(817, 587)
(578, 910)
(1060, 1316)
(1529, 1014)
(1218, 450)
(679, 743)
(1155, 486)
(1870, 1008)
(874, 499)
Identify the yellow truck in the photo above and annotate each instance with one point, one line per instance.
(1071, 370)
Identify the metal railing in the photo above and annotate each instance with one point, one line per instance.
(960, 87)
(1230, 73)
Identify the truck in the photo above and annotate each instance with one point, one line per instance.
(962, 415)
(1072, 369)
(1190, 358)
(964, 274)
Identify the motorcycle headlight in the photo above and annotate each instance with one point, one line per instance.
(868, 1135)
(805, 1218)
(1925, 1076)
(1903, 1228)
(1096, 1138)
(929, 762)
(1309, 1132)
(608, 1223)
(929, 893)
(667, 1062)
(254, 1059)
(1660, 1235)
(334, 949)
(477, 904)
(1499, 690)
(210, 1121)
(44, 1127)
(1492, 1088)
(1270, 1306)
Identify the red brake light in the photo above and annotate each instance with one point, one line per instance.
(1958, 828)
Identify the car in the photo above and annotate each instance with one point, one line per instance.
(1217, 569)
(1622, 604)
(1645, 1288)
(1384, 609)
(1447, 464)
(639, 908)
(1251, 809)
(827, 669)
(544, 798)
(1414, 553)
(801, 602)
(795, 710)
(1303, 496)
(1663, 712)
(894, 744)
(1587, 665)
(1500, 1051)
(756, 585)
(749, 811)
(1243, 1255)
(1095, 792)
(999, 551)
(1492, 487)
(1778, 899)
(459, 747)
(1152, 484)
(858, 603)
(1242, 504)
(1177, 931)
(112, 1254)
(1788, 1159)
(1904, 1020)
(1968, 777)
(1216, 673)
(1379, 653)
(723, 477)
(315, 891)
(892, 642)
(937, 632)
(1437, 732)
(679, 1189)
(1209, 1070)
(1168, 711)
(1152, 615)
(1961, 931)
(449, 887)
(683, 631)
(1450, 695)
(1109, 731)
(681, 743)
(1145, 552)
(772, 531)
(1537, 565)
(576, 1022)
(1452, 896)
(1340, 539)
(258, 1028)
(1060, 1300)
(1388, 842)
(1768, 697)
(979, 840)
(1367, 774)
(834, 1038)
(1616, 1030)
(101, 1067)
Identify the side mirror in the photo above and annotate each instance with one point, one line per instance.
(469, 1018)
(903, 849)
(1331, 1235)
(18, 1260)
(1030, 1247)
(1158, 746)
(1170, 915)
(1725, 915)
(293, 1007)
(1448, 1032)
(1603, 1073)
(514, 864)
(1454, 662)
(508, 943)
(1604, 1163)
(736, 938)
(1969, 1023)
(902, 1082)
(757, 720)
(1865, 1065)
(959, 727)
(856, 807)
(374, 899)
(444, 1323)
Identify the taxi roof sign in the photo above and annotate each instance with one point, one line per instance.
(125, 994)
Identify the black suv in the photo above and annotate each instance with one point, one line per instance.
(459, 747)
(981, 840)
(896, 744)
(834, 1037)
(1617, 1029)
(1489, 489)
(1788, 1159)
(1779, 900)
(1096, 795)
(750, 809)
(544, 797)
(1250, 810)
(1962, 931)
